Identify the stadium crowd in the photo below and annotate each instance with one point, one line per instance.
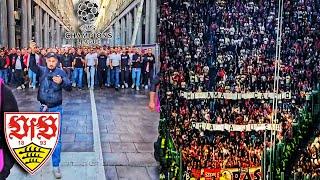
(230, 46)
(309, 161)
(118, 67)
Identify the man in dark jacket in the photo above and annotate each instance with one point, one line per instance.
(18, 67)
(52, 80)
(124, 67)
(4, 66)
(8, 104)
(148, 67)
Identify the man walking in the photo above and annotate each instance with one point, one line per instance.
(102, 67)
(115, 67)
(149, 60)
(136, 70)
(52, 80)
(78, 65)
(124, 66)
(91, 62)
(18, 68)
(4, 65)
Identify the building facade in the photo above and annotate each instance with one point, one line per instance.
(125, 16)
(38, 20)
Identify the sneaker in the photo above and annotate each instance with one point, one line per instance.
(132, 87)
(126, 85)
(33, 87)
(137, 88)
(56, 172)
(122, 86)
(23, 86)
(19, 87)
(73, 84)
(146, 87)
(117, 89)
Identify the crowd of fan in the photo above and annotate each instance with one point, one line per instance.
(309, 160)
(230, 46)
(94, 66)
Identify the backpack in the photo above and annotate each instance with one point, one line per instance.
(1, 149)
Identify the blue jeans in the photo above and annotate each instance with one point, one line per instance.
(77, 76)
(90, 76)
(136, 73)
(108, 74)
(115, 75)
(33, 78)
(4, 75)
(56, 155)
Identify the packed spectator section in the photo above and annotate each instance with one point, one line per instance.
(230, 47)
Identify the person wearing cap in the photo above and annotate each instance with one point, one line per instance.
(52, 80)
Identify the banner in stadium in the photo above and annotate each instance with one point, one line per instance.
(235, 127)
(234, 96)
(229, 173)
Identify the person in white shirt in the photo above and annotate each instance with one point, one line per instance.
(90, 67)
(114, 60)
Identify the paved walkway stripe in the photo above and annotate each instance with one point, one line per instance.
(96, 137)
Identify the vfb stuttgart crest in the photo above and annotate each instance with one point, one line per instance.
(32, 137)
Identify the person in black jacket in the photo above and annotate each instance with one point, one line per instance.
(52, 80)
(8, 104)
(18, 67)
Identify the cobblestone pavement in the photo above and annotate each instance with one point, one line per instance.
(126, 129)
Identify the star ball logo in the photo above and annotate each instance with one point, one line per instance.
(88, 11)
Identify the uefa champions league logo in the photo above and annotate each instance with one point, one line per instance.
(87, 11)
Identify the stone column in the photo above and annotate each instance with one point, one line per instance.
(41, 15)
(52, 32)
(62, 37)
(139, 34)
(117, 33)
(4, 24)
(46, 30)
(129, 28)
(11, 24)
(123, 31)
(37, 25)
(113, 39)
(30, 22)
(24, 24)
(147, 23)
(58, 34)
(153, 22)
